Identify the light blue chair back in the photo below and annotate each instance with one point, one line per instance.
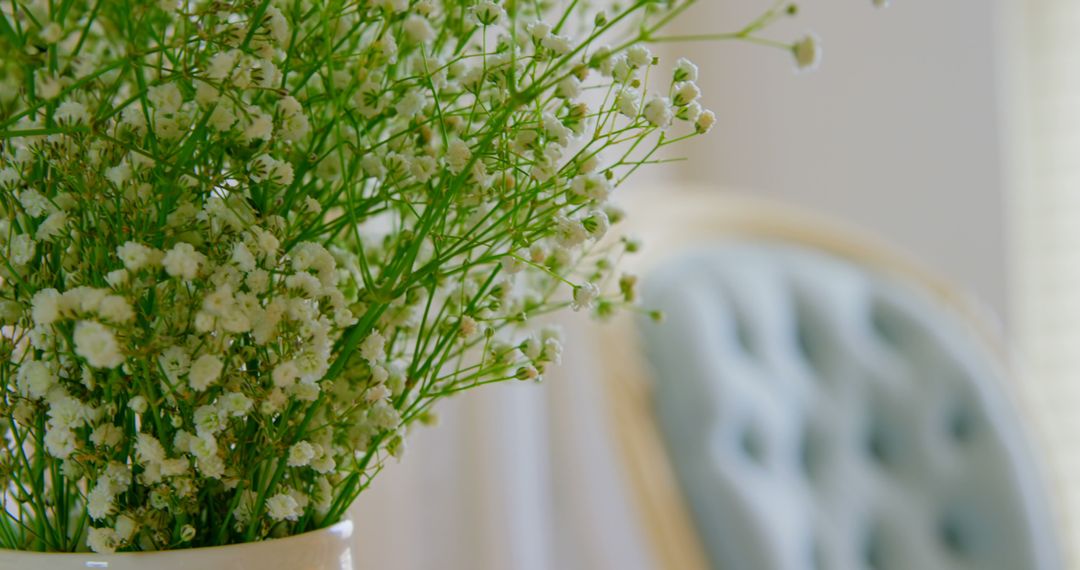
(823, 415)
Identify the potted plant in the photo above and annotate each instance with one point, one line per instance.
(245, 244)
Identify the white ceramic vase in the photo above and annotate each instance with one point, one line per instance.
(326, 549)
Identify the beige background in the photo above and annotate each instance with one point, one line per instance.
(897, 131)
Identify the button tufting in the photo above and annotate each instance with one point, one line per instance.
(874, 548)
(809, 338)
(744, 336)
(881, 445)
(752, 443)
(961, 423)
(953, 534)
(898, 415)
(811, 451)
(888, 324)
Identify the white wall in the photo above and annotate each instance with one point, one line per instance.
(897, 131)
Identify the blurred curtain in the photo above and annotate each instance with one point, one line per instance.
(515, 477)
(1044, 85)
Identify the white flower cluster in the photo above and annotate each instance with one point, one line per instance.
(234, 270)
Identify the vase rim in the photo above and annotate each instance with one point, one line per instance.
(339, 531)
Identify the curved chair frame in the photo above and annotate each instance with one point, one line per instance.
(690, 217)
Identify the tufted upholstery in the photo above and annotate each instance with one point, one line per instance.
(820, 416)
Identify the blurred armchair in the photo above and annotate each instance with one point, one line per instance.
(814, 401)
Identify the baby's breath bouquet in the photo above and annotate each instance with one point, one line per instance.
(245, 244)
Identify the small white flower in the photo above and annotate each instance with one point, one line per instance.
(52, 33)
(119, 174)
(222, 117)
(705, 122)
(116, 278)
(235, 404)
(594, 186)
(621, 70)
(265, 167)
(596, 223)
(690, 113)
(208, 420)
(257, 280)
(418, 29)
(807, 52)
(295, 126)
(174, 361)
(9, 177)
(82, 299)
(539, 30)
(259, 127)
(422, 167)
(138, 404)
(376, 393)
(285, 373)
(107, 435)
(553, 351)
(52, 226)
(206, 94)
(243, 258)
(585, 296)
(102, 540)
(685, 93)
(116, 309)
(267, 242)
(489, 13)
(97, 344)
(222, 63)
(639, 56)
(167, 128)
(125, 527)
(59, 441)
(100, 501)
(658, 112)
(627, 102)
(411, 104)
(279, 26)
(458, 155)
(268, 74)
(34, 204)
(45, 307)
(34, 379)
(685, 70)
(183, 261)
(301, 454)
(71, 113)
(467, 327)
(570, 233)
(570, 88)
(283, 507)
(324, 464)
(384, 416)
(556, 130)
(560, 45)
(288, 105)
(165, 98)
(204, 372)
(373, 347)
(135, 256)
(47, 85)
